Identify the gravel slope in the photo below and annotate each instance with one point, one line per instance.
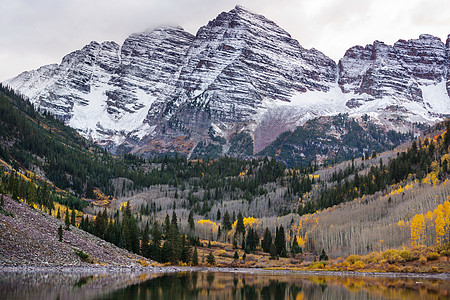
(31, 238)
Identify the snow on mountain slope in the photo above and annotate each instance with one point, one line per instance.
(166, 90)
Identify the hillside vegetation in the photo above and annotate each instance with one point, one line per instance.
(170, 209)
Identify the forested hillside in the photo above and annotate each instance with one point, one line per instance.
(164, 207)
(335, 138)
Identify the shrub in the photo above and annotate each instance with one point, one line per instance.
(358, 264)
(445, 249)
(393, 256)
(352, 258)
(393, 268)
(422, 259)
(84, 256)
(143, 263)
(372, 257)
(407, 255)
(317, 265)
(432, 256)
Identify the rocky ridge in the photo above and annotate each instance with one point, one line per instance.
(165, 90)
(30, 237)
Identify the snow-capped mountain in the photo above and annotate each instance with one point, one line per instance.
(167, 90)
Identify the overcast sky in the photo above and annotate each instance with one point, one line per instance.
(38, 32)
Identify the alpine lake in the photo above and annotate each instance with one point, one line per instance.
(217, 284)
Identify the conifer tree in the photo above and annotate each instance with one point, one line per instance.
(280, 241)
(60, 233)
(323, 255)
(67, 219)
(273, 251)
(195, 257)
(226, 221)
(210, 259)
(191, 221)
(236, 255)
(240, 227)
(58, 214)
(145, 242)
(31, 197)
(72, 217)
(155, 248)
(185, 250)
(174, 220)
(267, 240)
(166, 224)
(2, 201)
(99, 225)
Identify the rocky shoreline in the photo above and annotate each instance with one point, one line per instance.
(174, 269)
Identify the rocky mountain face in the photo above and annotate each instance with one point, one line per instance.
(234, 87)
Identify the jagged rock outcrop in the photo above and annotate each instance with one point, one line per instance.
(237, 63)
(166, 90)
(404, 81)
(105, 90)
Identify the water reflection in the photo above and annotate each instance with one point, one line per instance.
(215, 285)
(248, 287)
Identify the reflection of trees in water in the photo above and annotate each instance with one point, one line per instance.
(247, 287)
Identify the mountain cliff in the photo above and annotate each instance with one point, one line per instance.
(241, 80)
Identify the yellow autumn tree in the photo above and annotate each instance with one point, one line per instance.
(417, 229)
(440, 223)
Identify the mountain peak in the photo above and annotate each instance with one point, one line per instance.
(429, 37)
(241, 73)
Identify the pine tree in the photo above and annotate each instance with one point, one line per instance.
(267, 240)
(2, 201)
(174, 219)
(31, 193)
(236, 255)
(226, 221)
(166, 224)
(145, 242)
(67, 219)
(191, 221)
(195, 257)
(280, 241)
(72, 217)
(273, 251)
(60, 233)
(210, 259)
(295, 247)
(240, 227)
(219, 215)
(99, 225)
(134, 235)
(323, 255)
(155, 248)
(58, 214)
(185, 250)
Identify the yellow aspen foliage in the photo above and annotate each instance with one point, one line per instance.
(430, 215)
(447, 214)
(417, 229)
(207, 222)
(301, 242)
(248, 222)
(440, 223)
(401, 223)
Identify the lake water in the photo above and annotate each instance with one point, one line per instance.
(215, 285)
